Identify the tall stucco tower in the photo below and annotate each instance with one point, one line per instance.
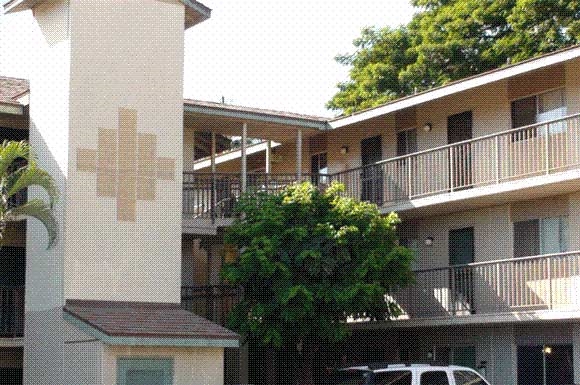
(102, 306)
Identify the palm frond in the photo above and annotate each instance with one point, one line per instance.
(38, 209)
(10, 151)
(33, 176)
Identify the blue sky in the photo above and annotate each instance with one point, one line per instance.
(259, 53)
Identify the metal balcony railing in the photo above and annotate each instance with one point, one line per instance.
(534, 150)
(213, 302)
(545, 282)
(538, 149)
(213, 195)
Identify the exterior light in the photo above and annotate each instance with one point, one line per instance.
(429, 241)
(547, 349)
(344, 150)
(427, 127)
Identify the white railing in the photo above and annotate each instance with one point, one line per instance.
(538, 149)
(545, 282)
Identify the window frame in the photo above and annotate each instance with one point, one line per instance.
(318, 177)
(407, 150)
(536, 96)
(563, 230)
(127, 363)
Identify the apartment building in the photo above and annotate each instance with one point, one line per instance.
(484, 172)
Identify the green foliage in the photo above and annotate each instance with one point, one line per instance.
(310, 259)
(18, 171)
(448, 40)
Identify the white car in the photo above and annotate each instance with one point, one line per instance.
(407, 374)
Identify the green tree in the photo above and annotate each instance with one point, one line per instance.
(18, 171)
(309, 260)
(448, 40)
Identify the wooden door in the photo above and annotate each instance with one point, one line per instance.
(461, 252)
(371, 176)
(460, 128)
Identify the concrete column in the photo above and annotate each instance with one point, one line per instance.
(299, 155)
(193, 150)
(244, 157)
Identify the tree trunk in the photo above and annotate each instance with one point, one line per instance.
(306, 376)
(270, 365)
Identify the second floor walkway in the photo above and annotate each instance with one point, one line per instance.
(527, 159)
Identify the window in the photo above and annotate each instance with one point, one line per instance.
(399, 377)
(150, 371)
(406, 142)
(539, 108)
(540, 236)
(463, 377)
(434, 378)
(319, 165)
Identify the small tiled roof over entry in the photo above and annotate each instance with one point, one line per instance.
(12, 88)
(145, 320)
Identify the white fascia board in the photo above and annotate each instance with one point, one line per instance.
(459, 86)
(11, 109)
(231, 155)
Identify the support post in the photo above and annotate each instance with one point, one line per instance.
(193, 152)
(244, 157)
(268, 164)
(269, 157)
(213, 151)
(547, 148)
(213, 177)
(299, 155)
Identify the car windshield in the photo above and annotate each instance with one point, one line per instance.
(350, 377)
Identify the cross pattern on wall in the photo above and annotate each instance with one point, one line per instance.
(126, 165)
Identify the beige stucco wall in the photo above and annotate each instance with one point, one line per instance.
(97, 58)
(83, 356)
(49, 131)
(138, 51)
(492, 232)
(192, 366)
(493, 240)
(491, 108)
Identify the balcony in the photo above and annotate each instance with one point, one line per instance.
(11, 311)
(507, 290)
(459, 169)
(211, 302)
(526, 286)
(513, 160)
(212, 196)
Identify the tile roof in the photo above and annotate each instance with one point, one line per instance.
(11, 89)
(145, 320)
(261, 111)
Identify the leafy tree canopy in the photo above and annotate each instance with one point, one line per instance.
(309, 259)
(448, 40)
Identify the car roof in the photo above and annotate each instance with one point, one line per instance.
(398, 366)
